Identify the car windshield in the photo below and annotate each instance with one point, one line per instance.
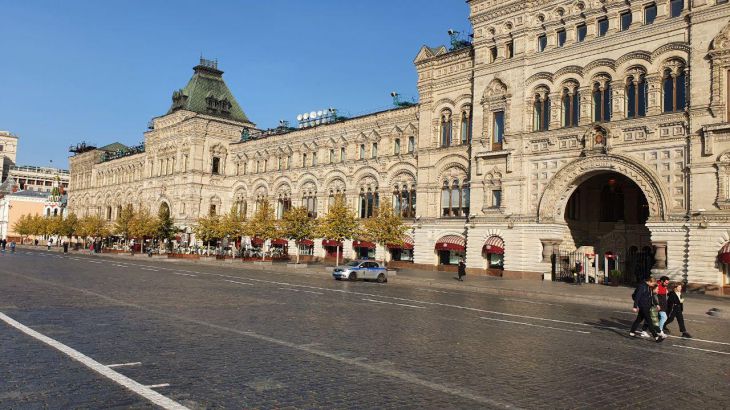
(353, 263)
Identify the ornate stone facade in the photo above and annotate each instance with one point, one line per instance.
(565, 124)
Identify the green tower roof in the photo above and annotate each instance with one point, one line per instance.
(207, 93)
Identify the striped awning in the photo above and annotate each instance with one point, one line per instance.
(280, 242)
(306, 242)
(451, 243)
(493, 244)
(724, 255)
(329, 242)
(257, 241)
(363, 244)
(407, 244)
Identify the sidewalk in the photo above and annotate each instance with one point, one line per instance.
(589, 294)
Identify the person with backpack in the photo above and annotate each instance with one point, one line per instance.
(675, 307)
(643, 302)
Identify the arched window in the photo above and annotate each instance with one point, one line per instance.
(636, 94)
(541, 109)
(411, 144)
(369, 202)
(602, 101)
(454, 199)
(465, 127)
(404, 201)
(673, 88)
(216, 165)
(240, 207)
(446, 128)
(571, 107)
(283, 205)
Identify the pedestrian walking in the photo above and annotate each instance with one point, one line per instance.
(50, 242)
(643, 302)
(12, 246)
(461, 270)
(675, 307)
(662, 289)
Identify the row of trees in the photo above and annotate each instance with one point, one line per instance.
(339, 224)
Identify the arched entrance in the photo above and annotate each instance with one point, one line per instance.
(606, 215)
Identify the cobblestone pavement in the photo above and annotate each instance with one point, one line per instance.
(225, 337)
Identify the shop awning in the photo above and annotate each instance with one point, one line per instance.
(494, 244)
(257, 242)
(280, 242)
(407, 244)
(451, 243)
(306, 242)
(724, 255)
(329, 242)
(363, 244)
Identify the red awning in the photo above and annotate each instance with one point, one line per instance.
(451, 243)
(494, 244)
(724, 255)
(279, 241)
(363, 244)
(306, 242)
(329, 242)
(257, 242)
(407, 244)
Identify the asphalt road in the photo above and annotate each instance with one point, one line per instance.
(92, 332)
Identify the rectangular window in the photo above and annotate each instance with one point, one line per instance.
(288, 164)
(496, 198)
(396, 146)
(278, 163)
(602, 27)
(650, 14)
(332, 156)
(215, 169)
(374, 153)
(510, 50)
(561, 38)
(625, 20)
(304, 161)
(1, 148)
(492, 54)
(411, 144)
(541, 42)
(721, 2)
(314, 158)
(498, 127)
(342, 154)
(580, 33)
(676, 7)
(362, 151)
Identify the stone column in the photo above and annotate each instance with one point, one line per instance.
(660, 256)
(654, 100)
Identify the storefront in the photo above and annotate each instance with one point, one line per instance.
(306, 247)
(723, 260)
(451, 249)
(332, 248)
(279, 247)
(402, 252)
(364, 249)
(493, 253)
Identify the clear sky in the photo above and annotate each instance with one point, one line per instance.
(100, 70)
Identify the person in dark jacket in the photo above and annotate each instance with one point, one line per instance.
(643, 300)
(462, 270)
(675, 307)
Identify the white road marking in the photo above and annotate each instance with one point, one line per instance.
(300, 290)
(121, 266)
(531, 301)
(155, 386)
(183, 274)
(700, 340)
(124, 364)
(534, 325)
(94, 261)
(240, 283)
(634, 314)
(398, 304)
(435, 291)
(703, 350)
(150, 269)
(144, 391)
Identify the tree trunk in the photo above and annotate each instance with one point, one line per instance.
(337, 256)
(297, 245)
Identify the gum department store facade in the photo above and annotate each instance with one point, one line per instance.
(596, 125)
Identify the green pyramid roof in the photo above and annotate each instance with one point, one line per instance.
(115, 146)
(207, 93)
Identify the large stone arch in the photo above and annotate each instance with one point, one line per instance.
(553, 200)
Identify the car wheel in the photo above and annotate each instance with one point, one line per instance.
(338, 278)
(353, 276)
(381, 278)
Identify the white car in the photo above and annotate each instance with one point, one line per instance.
(366, 270)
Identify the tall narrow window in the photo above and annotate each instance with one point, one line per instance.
(561, 37)
(396, 146)
(279, 163)
(216, 164)
(625, 18)
(509, 49)
(541, 108)
(465, 128)
(492, 54)
(676, 7)
(580, 33)
(362, 151)
(288, 162)
(496, 198)
(374, 150)
(650, 14)
(674, 90)
(541, 42)
(601, 101)
(571, 107)
(342, 154)
(304, 161)
(369, 202)
(411, 144)
(332, 156)
(498, 137)
(602, 27)
(446, 129)
(636, 93)
(314, 158)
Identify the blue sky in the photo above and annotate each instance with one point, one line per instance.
(99, 70)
